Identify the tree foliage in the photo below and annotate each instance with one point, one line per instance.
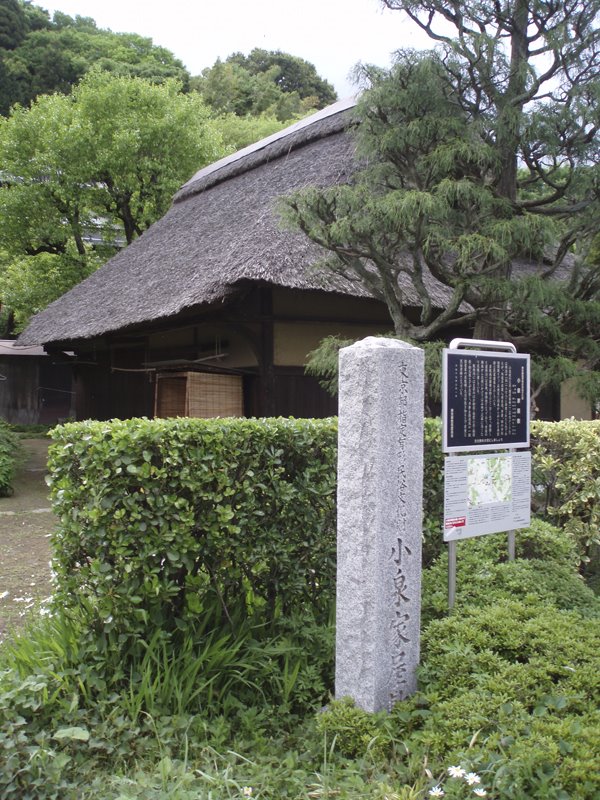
(480, 181)
(240, 131)
(265, 82)
(291, 74)
(12, 24)
(88, 172)
(39, 55)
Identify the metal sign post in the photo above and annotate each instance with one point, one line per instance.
(485, 407)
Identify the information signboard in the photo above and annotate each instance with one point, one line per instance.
(485, 400)
(486, 494)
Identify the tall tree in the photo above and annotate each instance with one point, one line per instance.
(505, 57)
(482, 155)
(13, 25)
(87, 172)
(290, 73)
(264, 82)
(43, 55)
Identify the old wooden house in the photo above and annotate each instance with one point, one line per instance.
(212, 311)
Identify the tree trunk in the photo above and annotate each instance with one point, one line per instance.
(510, 113)
(491, 327)
(510, 104)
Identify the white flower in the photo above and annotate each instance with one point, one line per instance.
(456, 772)
(437, 791)
(3, 595)
(479, 792)
(247, 791)
(472, 778)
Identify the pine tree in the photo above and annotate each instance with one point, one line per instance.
(478, 196)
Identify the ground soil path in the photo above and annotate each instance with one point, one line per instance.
(26, 522)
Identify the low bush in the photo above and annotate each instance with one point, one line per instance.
(510, 688)
(433, 490)
(545, 570)
(33, 431)
(354, 732)
(10, 455)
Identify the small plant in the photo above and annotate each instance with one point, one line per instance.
(458, 783)
(511, 687)
(10, 456)
(545, 570)
(354, 733)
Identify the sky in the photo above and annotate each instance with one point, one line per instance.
(332, 34)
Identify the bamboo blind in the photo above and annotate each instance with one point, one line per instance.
(198, 394)
(169, 398)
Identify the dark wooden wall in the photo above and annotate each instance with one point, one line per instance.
(35, 391)
(106, 394)
(300, 395)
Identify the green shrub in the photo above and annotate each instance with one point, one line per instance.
(508, 689)
(156, 516)
(433, 490)
(515, 632)
(34, 431)
(10, 454)
(209, 538)
(252, 495)
(545, 570)
(352, 731)
(566, 478)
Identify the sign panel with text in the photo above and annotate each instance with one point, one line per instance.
(485, 400)
(486, 494)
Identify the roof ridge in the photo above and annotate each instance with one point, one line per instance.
(254, 154)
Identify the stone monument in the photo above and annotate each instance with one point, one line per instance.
(380, 500)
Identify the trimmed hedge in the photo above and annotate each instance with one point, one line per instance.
(156, 515)
(512, 688)
(566, 479)
(10, 451)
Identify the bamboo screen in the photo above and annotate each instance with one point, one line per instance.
(198, 394)
(170, 396)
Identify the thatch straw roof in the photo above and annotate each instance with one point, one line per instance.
(222, 231)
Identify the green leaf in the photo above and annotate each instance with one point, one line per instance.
(75, 734)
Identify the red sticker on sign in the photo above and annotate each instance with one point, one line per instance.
(455, 522)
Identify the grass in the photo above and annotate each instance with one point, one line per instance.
(509, 692)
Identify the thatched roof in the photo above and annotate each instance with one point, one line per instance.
(222, 231)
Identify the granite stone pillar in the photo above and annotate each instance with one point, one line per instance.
(380, 500)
